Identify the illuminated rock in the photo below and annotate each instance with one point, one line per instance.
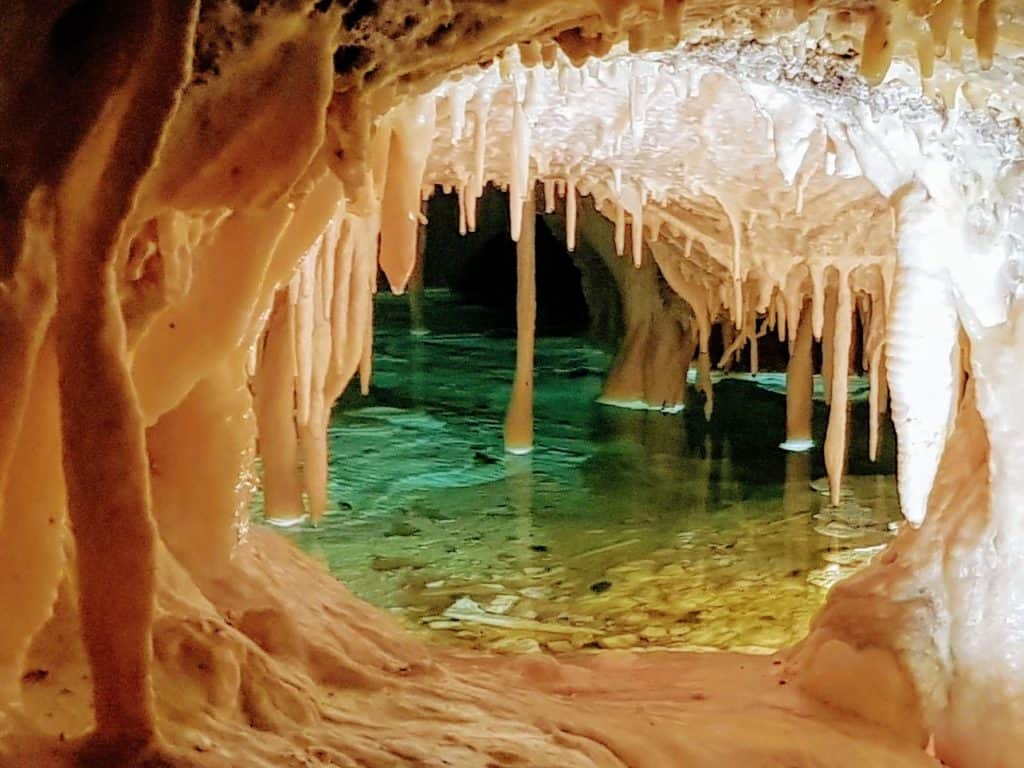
(195, 200)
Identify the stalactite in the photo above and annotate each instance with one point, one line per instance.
(481, 108)
(304, 312)
(549, 195)
(519, 177)
(360, 256)
(876, 402)
(418, 326)
(874, 352)
(818, 285)
(519, 420)
(570, 214)
(460, 193)
(636, 224)
(838, 415)
(800, 385)
(366, 359)
(877, 52)
(344, 256)
(828, 339)
(922, 308)
(751, 334)
(313, 434)
(620, 230)
(411, 140)
(736, 227)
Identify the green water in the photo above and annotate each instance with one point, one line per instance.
(622, 529)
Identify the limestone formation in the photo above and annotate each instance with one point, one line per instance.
(195, 200)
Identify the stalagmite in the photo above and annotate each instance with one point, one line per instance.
(519, 419)
(345, 254)
(800, 386)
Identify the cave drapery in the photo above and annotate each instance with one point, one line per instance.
(196, 198)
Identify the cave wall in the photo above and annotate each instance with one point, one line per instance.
(172, 213)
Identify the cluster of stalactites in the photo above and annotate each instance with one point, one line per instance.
(318, 335)
(931, 29)
(320, 332)
(840, 301)
(928, 25)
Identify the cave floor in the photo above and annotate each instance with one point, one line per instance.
(623, 529)
(344, 686)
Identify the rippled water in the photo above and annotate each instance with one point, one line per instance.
(622, 529)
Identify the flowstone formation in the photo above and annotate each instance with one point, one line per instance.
(195, 199)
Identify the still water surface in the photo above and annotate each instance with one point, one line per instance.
(622, 529)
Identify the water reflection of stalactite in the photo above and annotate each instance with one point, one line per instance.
(519, 474)
(664, 441)
(795, 506)
(419, 372)
(720, 472)
(663, 434)
(705, 485)
(800, 387)
(417, 325)
(519, 417)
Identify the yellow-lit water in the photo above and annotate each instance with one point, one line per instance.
(622, 529)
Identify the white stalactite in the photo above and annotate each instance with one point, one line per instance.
(922, 350)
